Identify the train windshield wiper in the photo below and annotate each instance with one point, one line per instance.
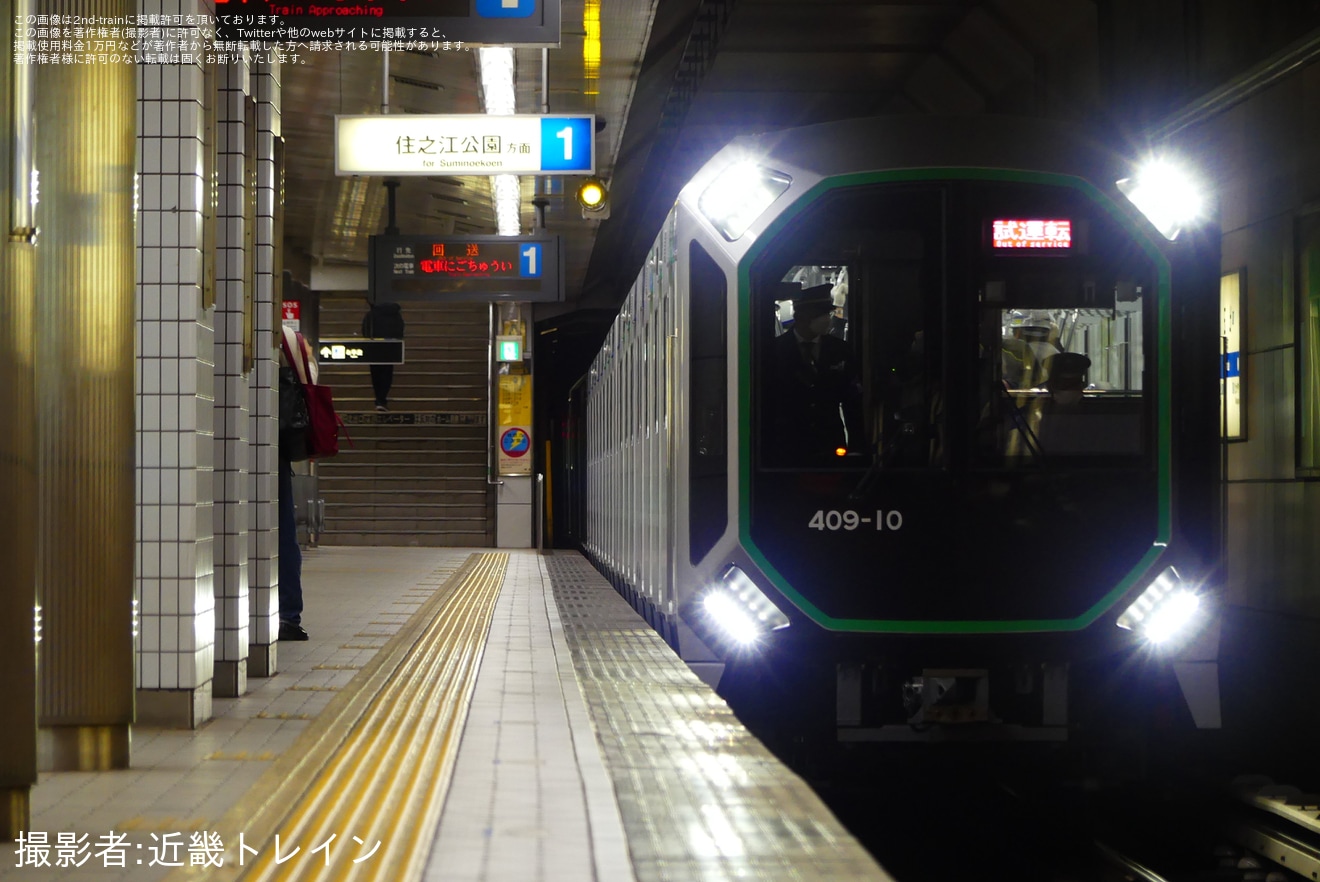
(868, 480)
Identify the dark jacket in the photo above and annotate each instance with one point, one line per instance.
(383, 321)
(814, 407)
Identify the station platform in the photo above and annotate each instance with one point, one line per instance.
(458, 715)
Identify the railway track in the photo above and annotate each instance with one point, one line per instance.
(1280, 824)
(1253, 830)
(934, 821)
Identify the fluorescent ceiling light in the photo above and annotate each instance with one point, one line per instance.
(498, 97)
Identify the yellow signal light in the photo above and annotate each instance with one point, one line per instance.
(592, 195)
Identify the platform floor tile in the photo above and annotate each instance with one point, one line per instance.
(530, 800)
(700, 798)
(181, 780)
(590, 751)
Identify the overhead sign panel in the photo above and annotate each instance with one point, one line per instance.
(466, 268)
(465, 144)
(452, 23)
(360, 350)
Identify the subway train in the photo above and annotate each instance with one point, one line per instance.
(919, 418)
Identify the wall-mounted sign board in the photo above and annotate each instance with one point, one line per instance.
(359, 350)
(465, 144)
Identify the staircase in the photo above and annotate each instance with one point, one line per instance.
(416, 475)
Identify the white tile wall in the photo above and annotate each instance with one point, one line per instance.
(232, 394)
(175, 363)
(263, 521)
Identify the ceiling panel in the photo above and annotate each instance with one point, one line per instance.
(328, 219)
(673, 81)
(735, 67)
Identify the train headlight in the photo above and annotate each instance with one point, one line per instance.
(1165, 610)
(1166, 194)
(738, 610)
(739, 194)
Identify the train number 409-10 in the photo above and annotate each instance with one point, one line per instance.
(851, 520)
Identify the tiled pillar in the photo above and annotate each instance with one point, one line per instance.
(263, 520)
(175, 569)
(232, 454)
(84, 327)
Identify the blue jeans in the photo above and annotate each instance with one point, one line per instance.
(291, 599)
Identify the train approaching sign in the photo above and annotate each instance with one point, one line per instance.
(466, 269)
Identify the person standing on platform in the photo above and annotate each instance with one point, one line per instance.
(290, 588)
(382, 321)
(291, 599)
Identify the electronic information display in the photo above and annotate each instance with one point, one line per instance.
(466, 268)
(1013, 233)
(452, 23)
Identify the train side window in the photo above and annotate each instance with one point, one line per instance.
(708, 426)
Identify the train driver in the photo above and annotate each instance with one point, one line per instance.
(1066, 377)
(816, 398)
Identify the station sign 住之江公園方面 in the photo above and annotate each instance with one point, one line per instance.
(466, 269)
(455, 24)
(465, 144)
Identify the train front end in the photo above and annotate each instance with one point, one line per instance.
(972, 408)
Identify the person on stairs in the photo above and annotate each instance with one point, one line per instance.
(382, 321)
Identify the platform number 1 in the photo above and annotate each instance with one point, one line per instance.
(531, 260)
(566, 135)
(566, 143)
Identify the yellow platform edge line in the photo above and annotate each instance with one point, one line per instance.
(424, 797)
(388, 748)
(391, 753)
(259, 814)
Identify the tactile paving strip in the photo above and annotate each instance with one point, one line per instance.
(701, 799)
(382, 752)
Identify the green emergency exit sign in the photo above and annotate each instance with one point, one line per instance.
(508, 349)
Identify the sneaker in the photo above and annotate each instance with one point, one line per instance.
(381, 408)
(290, 631)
